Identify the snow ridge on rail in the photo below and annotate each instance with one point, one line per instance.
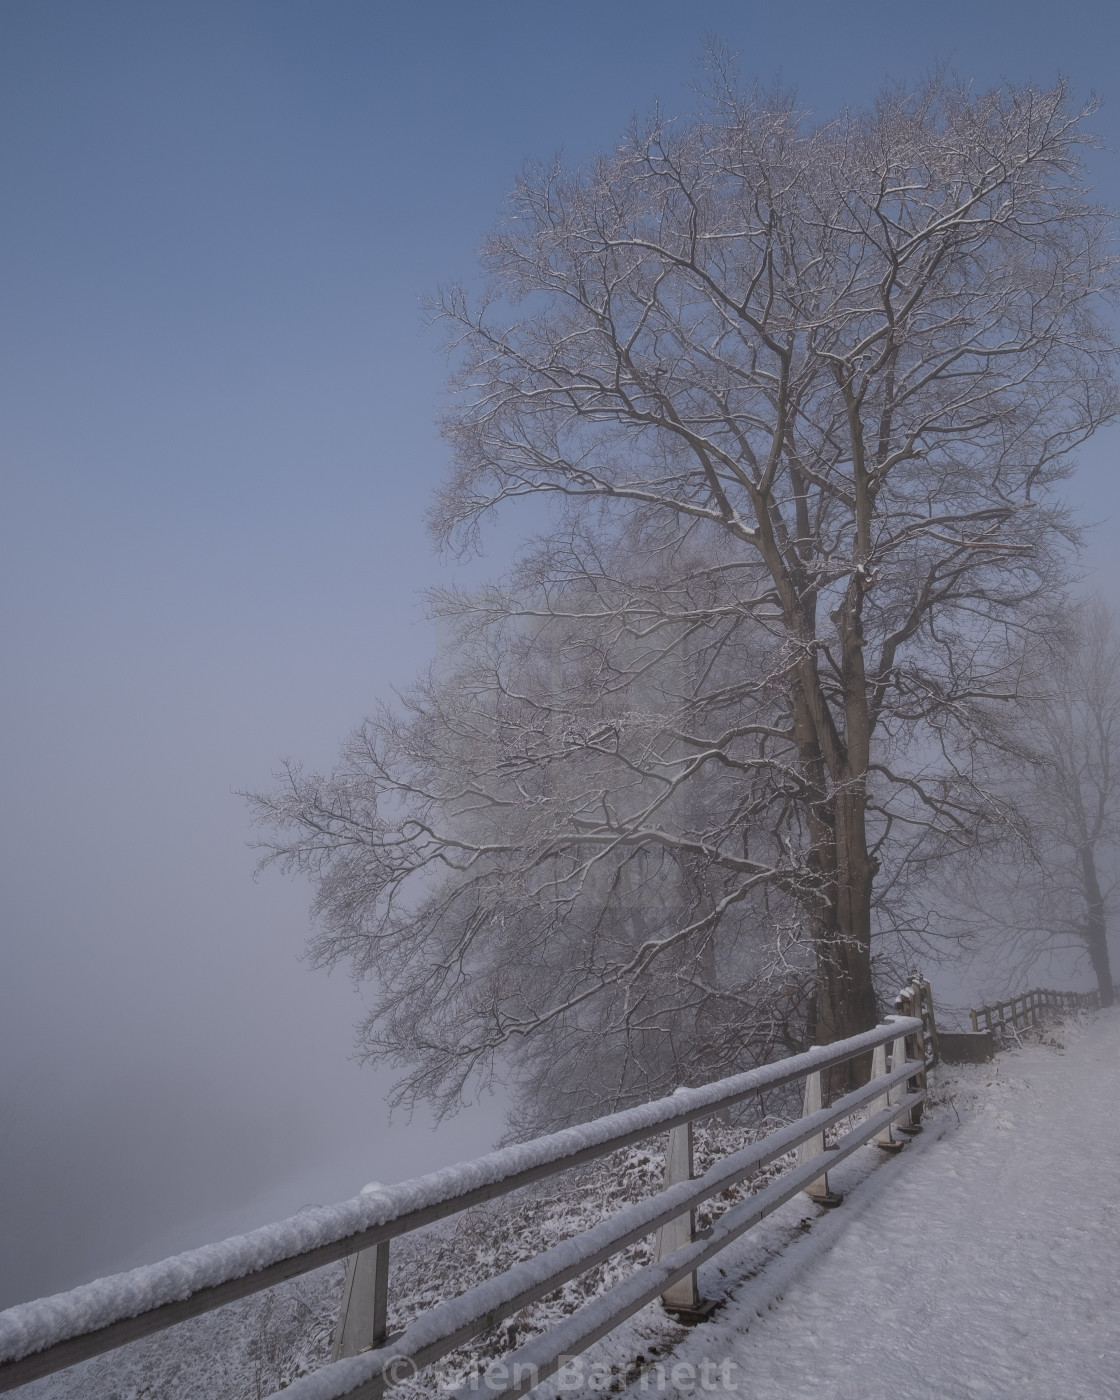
(32, 1327)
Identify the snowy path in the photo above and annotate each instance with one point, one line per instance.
(984, 1261)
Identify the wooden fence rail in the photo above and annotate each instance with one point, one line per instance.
(1029, 1008)
(41, 1337)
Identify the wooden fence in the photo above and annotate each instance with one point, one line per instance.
(39, 1338)
(1029, 1009)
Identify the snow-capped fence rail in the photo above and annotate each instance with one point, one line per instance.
(49, 1334)
(1029, 1008)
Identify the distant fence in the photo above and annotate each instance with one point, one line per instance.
(41, 1337)
(1029, 1009)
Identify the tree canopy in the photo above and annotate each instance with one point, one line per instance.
(802, 395)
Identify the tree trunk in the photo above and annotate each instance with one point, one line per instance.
(844, 999)
(1096, 931)
(845, 994)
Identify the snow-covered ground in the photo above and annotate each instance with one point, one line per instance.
(984, 1261)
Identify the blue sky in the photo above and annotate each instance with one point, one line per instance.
(216, 448)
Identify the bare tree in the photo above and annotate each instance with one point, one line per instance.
(863, 351)
(825, 377)
(1053, 887)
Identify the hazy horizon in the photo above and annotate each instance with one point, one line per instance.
(218, 447)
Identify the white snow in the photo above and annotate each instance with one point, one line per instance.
(983, 1262)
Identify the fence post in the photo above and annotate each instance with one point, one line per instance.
(898, 1057)
(362, 1315)
(365, 1294)
(914, 1048)
(929, 1020)
(683, 1297)
(816, 1190)
(878, 1069)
